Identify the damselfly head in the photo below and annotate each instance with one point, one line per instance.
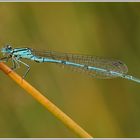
(6, 50)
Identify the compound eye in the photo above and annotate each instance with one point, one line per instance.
(8, 47)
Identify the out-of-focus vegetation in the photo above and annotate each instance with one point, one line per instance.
(104, 108)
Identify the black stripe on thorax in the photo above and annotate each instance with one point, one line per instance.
(20, 50)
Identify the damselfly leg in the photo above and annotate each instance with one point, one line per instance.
(28, 67)
(5, 59)
(16, 64)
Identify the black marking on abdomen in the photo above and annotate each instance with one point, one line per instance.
(63, 62)
(86, 67)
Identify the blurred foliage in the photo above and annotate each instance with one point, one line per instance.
(104, 108)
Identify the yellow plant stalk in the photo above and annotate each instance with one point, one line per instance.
(45, 102)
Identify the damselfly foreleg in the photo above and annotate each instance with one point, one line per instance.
(5, 59)
(15, 63)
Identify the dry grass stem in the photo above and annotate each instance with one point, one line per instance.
(45, 102)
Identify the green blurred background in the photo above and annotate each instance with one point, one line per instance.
(104, 108)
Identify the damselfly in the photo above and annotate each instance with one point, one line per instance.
(94, 66)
